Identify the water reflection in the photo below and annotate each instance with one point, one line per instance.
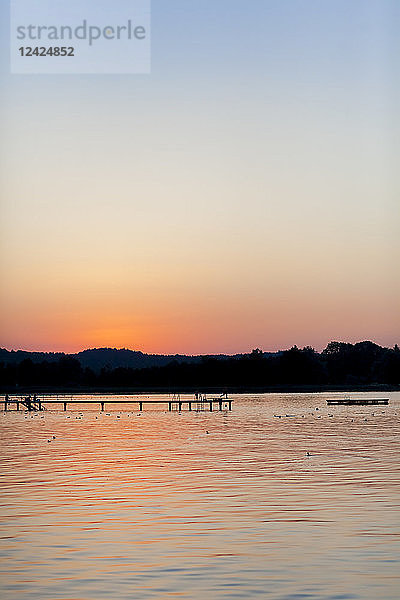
(121, 505)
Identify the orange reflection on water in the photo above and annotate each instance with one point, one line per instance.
(153, 506)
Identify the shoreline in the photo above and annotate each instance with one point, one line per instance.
(278, 389)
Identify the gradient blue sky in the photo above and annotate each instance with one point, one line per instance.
(244, 194)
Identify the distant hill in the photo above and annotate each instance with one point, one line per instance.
(362, 364)
(106, 358)
(111, 358)
(16, 356)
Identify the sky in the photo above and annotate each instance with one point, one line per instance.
(243, 194)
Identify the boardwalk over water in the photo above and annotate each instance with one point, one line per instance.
(359, 402)
(174, 402)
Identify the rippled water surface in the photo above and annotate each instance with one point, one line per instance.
(202, 505)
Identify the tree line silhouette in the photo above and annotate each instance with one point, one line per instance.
(340, 364)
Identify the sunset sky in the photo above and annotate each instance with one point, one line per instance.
(244, 194)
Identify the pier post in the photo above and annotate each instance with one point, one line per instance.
(220, 405)
(230, 404)
(17, 405)
(180, 406)
(169, 406)
(65, 406)
(190, 405)
(102, 406)
(140, 406)
(211, 406)
(40, 405)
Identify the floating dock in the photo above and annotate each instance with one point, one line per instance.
(359, 402)
(174, 402)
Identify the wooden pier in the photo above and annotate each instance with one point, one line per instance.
(174, 402)
(359, 402)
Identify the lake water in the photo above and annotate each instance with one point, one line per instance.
(122, 505)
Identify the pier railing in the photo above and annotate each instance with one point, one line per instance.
(174, 402)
